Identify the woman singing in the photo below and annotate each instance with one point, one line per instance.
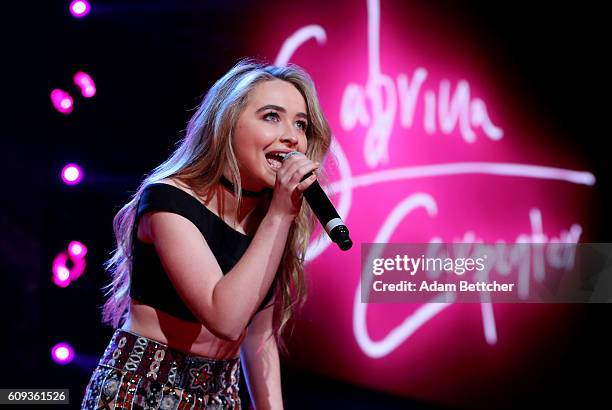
(208, 267)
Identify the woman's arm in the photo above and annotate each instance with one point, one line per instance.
(223, 303)
(261, 362)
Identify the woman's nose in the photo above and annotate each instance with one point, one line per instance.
(289, 137)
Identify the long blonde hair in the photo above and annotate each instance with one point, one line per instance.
(199, 160)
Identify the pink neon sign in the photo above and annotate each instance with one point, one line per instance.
(419, 131)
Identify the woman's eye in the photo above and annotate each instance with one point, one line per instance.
(271, 115)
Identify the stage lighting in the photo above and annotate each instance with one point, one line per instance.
(62, 273)
(76, 249)
(62, 353)
(62, 101)
(85, 83)
(80, 8)
(72, 174)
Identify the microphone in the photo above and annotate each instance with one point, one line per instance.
(325, 212)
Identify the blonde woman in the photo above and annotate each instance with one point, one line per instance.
(208, 267)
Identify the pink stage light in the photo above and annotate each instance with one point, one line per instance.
(62, 101)
(77, 250)
(62, 353)
(85, 83)
(72, 174)
(80, 8)
(74, 257)
(61, 274)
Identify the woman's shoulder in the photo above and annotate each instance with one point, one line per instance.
(175, 183)
(166, 196)
(168, 193)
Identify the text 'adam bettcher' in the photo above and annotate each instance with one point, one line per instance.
(412, 265)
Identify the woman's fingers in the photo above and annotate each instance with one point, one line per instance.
(292, 164)
(302, 186)
(296, 174)
(301, 174)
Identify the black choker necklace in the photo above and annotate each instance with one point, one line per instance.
(245, 192)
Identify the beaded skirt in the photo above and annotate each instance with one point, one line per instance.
(139, 373)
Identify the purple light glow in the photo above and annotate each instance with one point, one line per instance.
(62, 101)
(62, 353)
(77, 250)
(72, 174)
(85, 83)
(80, 8)
(61, 274)
(59, 266)
(75, 255)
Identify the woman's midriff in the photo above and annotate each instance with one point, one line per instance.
(193, 338)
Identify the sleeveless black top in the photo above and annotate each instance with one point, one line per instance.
(150, 283)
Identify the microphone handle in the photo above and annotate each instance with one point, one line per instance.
(327, 215)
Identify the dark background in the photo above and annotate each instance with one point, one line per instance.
(152, 62)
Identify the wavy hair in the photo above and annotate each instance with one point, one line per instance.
(199, 160)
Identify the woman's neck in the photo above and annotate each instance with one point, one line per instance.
(247, 212)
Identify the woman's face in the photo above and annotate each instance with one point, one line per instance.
(274, 119)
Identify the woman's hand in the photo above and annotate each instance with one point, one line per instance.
(288, 190)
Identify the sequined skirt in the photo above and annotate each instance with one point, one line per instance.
(140, 373)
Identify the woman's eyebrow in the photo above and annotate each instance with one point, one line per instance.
(279, 108)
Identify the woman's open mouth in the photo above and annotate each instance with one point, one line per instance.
(275, 159)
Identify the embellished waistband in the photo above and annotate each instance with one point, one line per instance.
(159, 362)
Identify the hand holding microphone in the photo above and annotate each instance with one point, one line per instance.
(293, 177)
(325, 211)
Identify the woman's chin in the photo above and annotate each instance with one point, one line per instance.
(270, 179)
(270, 183)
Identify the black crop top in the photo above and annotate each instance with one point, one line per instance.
(150, 283)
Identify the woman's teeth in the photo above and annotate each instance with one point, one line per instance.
(274, 163)
(275, 160)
